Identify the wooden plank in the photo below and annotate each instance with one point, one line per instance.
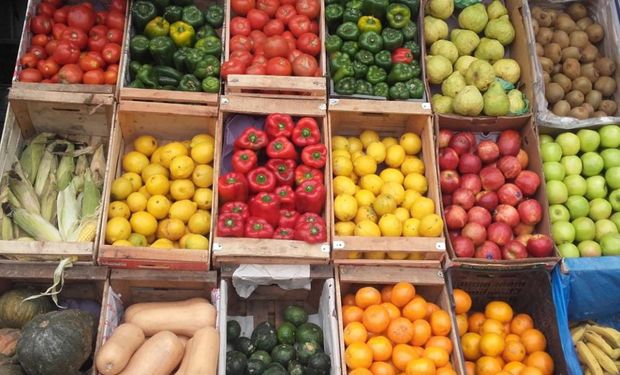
(61, 89)
(181, 97)
(312, 86)
(384, 275)
(16, 94)
(260, 106)
(169, 108)
(379, 106)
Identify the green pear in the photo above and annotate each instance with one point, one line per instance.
(441, 104)
(438, 68)
(468, 102)
(489, 49)
(496, 101)
(474, 18)
(462, 64)
(446, 49)
(480, 74)
(441, 9)
(517, 102)
(500, 29)
(496, 9)
(507, 69)
(465, 41)
(453, 84)
(434, 29)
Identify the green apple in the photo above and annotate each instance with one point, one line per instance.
(589, 140)
(614, 199)
(575, 184)
(611, 157)
(589, 249)
(545, 138)
(603, 227)
(584, 229)
(596, 187)
(615, 218)
(562, 232)
(578, 206)
(610, 136)
(558, 212)
(572, 164)
(551, 152)
(553, 170)
(610, 243)
(592, 164)
(568, 250)
(556, 192)
(612, 176)
(569, 142)
(599, 209)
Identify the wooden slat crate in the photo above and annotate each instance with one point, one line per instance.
(136, 119)
(250, 250)
(348, 117)
(429, 283)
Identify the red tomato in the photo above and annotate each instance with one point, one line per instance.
(115, 36)
(285, 13)
(88, 5)
(243, 56)
(305, 65)
(288, 2)
(40, 40)
(97, 56)
(279, 66)
(240, 26)
(54, 3)
(311, 8)
(314, 27)
(81, 16)
(60, 15)
(116, 20)
(259, 60)
(242, 7)
(50, 47)
(276, 46)
(299, 24)
(273, 27)
(38, 51)
(66, 53)
(57, 30)
(47, 67)
(309, 43)
(101, 30)
(47, 81)
(294, 54)
(290, 39)
(257, 69)
(102, 17)
(75, 36)
(258, 38)
(54, 79)
(96, 42)
(258, 19)
(70, 73)
(94, 77)
(30, 75)
(269, 6)
(29, 60)
(232, 67)
(241, 43)
(118, 5)
(88, 63)
(46, 9)
(113, 67)
(111, 53)
(259, 49)
(110, 77)
(41, 25)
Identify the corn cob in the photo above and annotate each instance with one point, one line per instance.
(603, 359)
(92, 196)
(48, 200)
(32, 154)
(587, 358)
(24, 192)
(97, 166)
(66, 167)
(87, 230)
(48, 166)
(35, 225)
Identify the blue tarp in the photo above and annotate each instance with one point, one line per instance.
(588, 289)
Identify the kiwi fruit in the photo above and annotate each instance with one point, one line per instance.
(571, 53)
(546, 77)
(536, 11)
(589, 53)
(599, 114)
(557, 68)
(546, 64)
(571, 68)
(580, 113)
(609, 107)
(546, 18)
(605, 66)
(554, 92)
(575, 98)
(561, 108)
(606, 85)
(554, 52)
(540, 51)
(535, 26)
(578, 38)
(594, 98)
(561, 38)
(595, 32)
(583, 84)
(544, 35)
(589, 108)
(563, 81)
(590, 72)
(577, 11)
(583, 23)
(565, 23)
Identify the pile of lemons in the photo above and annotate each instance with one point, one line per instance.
(163, 199)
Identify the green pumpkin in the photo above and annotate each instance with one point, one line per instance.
(56, 343)
(14, 312)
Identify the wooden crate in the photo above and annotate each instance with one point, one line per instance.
(91, 128)
(250, 250)
(350, 117)
(268, 301)
(136, 119)
(429, 283)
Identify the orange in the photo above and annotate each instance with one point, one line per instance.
(540, 360)
(470, 342)
(470, 368)
(421, 332)
(488, 366)
(421, 366)
(403, 354)
(349, 299)
(498, 310)
(386, 293)
(491, 344)
(382, 368)
(393, 311)
(520, 323)
(462, 323)
(440, 323)
(402, 293)
(440, 342)
(360, 371)
(351, 314)
(376, 318)
(462, 301)
(500, 360)
(503, 373)
(355, 332)
(514, 368)
(533, 340)
(358, 355)
(419, 350)
(531, 371)
(445, 371)
(513, 351)
(438, 355)
(415, 309)
(492, 326)
(367, 296)
(431, 308)
(400, 330)
(512, 337)
(475, 322)
(381, 348)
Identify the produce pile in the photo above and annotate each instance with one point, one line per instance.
(598, 348)
(295, 347)
(161, 337)
(373, 48)
(176, 46)
(488, 195)
(582, 171)
(165, 201)
(499, 340)
(74, 43)
(276, 186)
(271, 37)
(53, 192)
(579, 79)
(475, 77)
(395, 330)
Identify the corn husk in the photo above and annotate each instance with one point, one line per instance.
(48, 200)
(66, 167)
(97, 166)
(35, 225)
(24, 192)
(68, 210)
(47, 167)
(92, 196)
(59, 281)
(32, 154)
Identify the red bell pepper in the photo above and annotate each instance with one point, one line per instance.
(266, 206)
(261, 179)
(288, 218)
(244, 161)
(281, 148)
(236, 207)
(305, 173)
(402, 55)
(284, 169)
(252, 139)
(311, 233)
(310, 197)
(279, 125)
(310, 217)
(306, 132)
(287, 197)
(232, 186)
(314, 156)
(256, 227)
(284, 234)
(230, 225)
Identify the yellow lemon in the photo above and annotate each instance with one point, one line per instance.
(411, 143)
(354, 178)
(364, 197)
(203, 198)
(364, 165)
(163, 243)
(200, 222)
(122, 243)
(345, 207)
(203, 176)
(158, 185)
(421, 207)
(366, 213)
(158, 206)
(344, 228)
(343, 153)
(202, 153)
(145, 144)
(342, 166)
(181, 166)
(431, 226)
(118, 228)
(395, 155)
(389, 141)
(354, 255)
(121, 188)
(376, 150)
(357, 154)
(394, 190)
(411, 227)
(412, 164)
(384, 204)
(343, 185)
(417, 182)
(402, 213)
(367, 228)
(372, 183)
(133, 161)
(119, 209)
(392, 175)
(182, 189)
(340, 143)
(156, 156)
(390, 226)
(153, 169)
(136, 202)
(369, 136)
(183, 210)
(200, 138)
(410, 197)
(143, 223)
(134, 178)
(416, 256)
(196, 242)
(374, 255)
(397, 255)
(183, 239)
(172, 229)
(355, 145)
(138, 240)
(144, 192)
(171, 151)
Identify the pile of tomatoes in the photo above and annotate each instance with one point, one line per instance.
(74, 43)
(274, 37)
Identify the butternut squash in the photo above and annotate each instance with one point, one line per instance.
(201, 353)
(183, 366)
(159, 355)
(182, 318)
(117, 351)
(183, 339)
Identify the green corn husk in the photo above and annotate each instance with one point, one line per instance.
(66, 167)
(97, 166)
(47, 167)
(24, 192)
(32, 154)
(6, 228)
(12, 199)
(92, 196)
(81, 166)
(59, 281)
(35, 225)
(48, 200)
(68, 210)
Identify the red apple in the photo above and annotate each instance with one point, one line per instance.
(523, 159)
(460, 143)
(514, 250)
(491, 178)
(456, 217)
(523, 238)
(463, 247)
(487, 199)
(506, 214)
(444, 137)
(453, 233)
(510, 166)
(475, 232)
(464, 198)
(487, 151)
(479, 215)
(471, 182)
(469, 163)
(471, 137)
(449, 181)
(509, 194)
(488, 250)
(448, 159)
(446, 199)
(522, 228)
(528, 182)
(499, 233)
(530, 211)
(509, 142)
(540, 245)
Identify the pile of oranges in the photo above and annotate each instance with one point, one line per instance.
(395, 331)
(498, 342)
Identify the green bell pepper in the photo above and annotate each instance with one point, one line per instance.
(400, 72)
(398, 92)
(192, 58)
(183, 3)
(136, 84)
(354, 4)
(134, 67)
(210, 84)
(180, 59)
(360, 69)
(169, 72)
(205, 31)
(193, 16)
(415, 67)
(369, 23)
(333, 43)
(398, 15)
(344, 71)
(162, 48)
(351, 15)
(383, 60)
(363, 87)
(338, 59)
(160, 5)
(190, 83)
(148, 76)
(413, 5)
(173, 13)
(376, 74)
(415, 87)
(371, 41)
(392, 38)
(214, 16)
(333, 15)
(330, 2)
(381, 89)
(348, 31)
(207, 67)
(182, 34)
(211, 45)
(142, 12)
(167, 83)
(350, 47)
(158, 26)
(345, 86)
(365, 57)
(375, 8)
(410, 31)
(139, 48)
(413, 46)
